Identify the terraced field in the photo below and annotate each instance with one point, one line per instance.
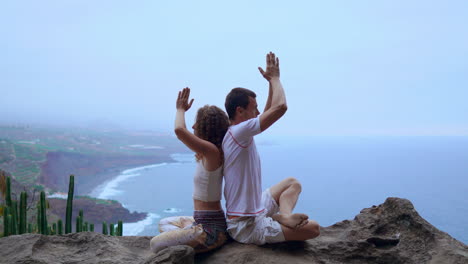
(23, 160)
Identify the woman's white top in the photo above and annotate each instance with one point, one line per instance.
(207, 184)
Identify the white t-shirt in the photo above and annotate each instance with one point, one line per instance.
(242, 170)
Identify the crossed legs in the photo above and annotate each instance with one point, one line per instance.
(294, 226)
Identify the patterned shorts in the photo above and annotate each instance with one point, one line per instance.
(205, 231)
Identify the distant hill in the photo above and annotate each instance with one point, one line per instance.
(46, 156)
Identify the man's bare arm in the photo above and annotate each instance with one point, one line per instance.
(276, 103)
(268, 103)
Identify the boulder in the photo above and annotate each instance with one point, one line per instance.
(392, 232)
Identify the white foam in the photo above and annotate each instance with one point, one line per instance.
(110, 188)
(172, 210)
(183, 157)
(145, 147)
(133, 229)
(58, 195)
(143, 168)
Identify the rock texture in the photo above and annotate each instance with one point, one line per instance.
(392, 232)
(87, 248)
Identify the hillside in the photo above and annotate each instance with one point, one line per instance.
(43, 158)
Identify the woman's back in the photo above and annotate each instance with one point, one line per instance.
(207, 187)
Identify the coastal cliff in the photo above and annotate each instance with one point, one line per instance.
(96, 210)
(39, 159)
(90, 170)
(392, 232)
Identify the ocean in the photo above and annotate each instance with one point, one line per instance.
(339, 176)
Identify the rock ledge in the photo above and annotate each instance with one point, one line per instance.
(392, 232)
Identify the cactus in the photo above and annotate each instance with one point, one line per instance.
(22, 215)
(6, 209)
(6, 223)
(44, 228)
(30, 228)
(59, 227)
(8, 192)
(14, 218)
(81, 219)
(78, 225)
(38, 218)
(5, 220)
(104, 228)
(22, 220)
(8, 212)
(91, 227)
(85, 226)
(68, 219)
(120, 228)
(54, 228)
(111, 229)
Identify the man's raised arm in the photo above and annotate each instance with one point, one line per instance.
(276, 103)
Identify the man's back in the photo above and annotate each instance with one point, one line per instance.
(242, 169)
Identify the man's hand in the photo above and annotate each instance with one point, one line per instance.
(272, 67)
(182, 100)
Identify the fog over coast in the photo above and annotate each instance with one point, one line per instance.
(348, 68)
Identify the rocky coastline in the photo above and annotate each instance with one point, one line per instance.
(90, 170)
(390, 233)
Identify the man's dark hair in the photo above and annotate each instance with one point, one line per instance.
(237, 97)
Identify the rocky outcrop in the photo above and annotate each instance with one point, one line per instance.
(87, 248)
(392, 232)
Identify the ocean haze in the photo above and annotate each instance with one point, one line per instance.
(348, 68)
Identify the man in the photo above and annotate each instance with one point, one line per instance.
(253, 216)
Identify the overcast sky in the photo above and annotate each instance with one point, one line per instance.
(348, 67)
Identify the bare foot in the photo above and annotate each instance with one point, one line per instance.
(305, 222)
(186, 222)
(292, 220)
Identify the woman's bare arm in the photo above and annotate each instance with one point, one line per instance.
(193, 142)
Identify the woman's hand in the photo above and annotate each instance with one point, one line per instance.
(182, 100)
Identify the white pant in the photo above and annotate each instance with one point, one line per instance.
(259, 229)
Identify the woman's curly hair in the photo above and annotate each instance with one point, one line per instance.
(211, 124)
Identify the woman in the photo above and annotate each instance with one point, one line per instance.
(207, 229)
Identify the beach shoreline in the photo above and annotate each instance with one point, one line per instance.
(110, 189)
